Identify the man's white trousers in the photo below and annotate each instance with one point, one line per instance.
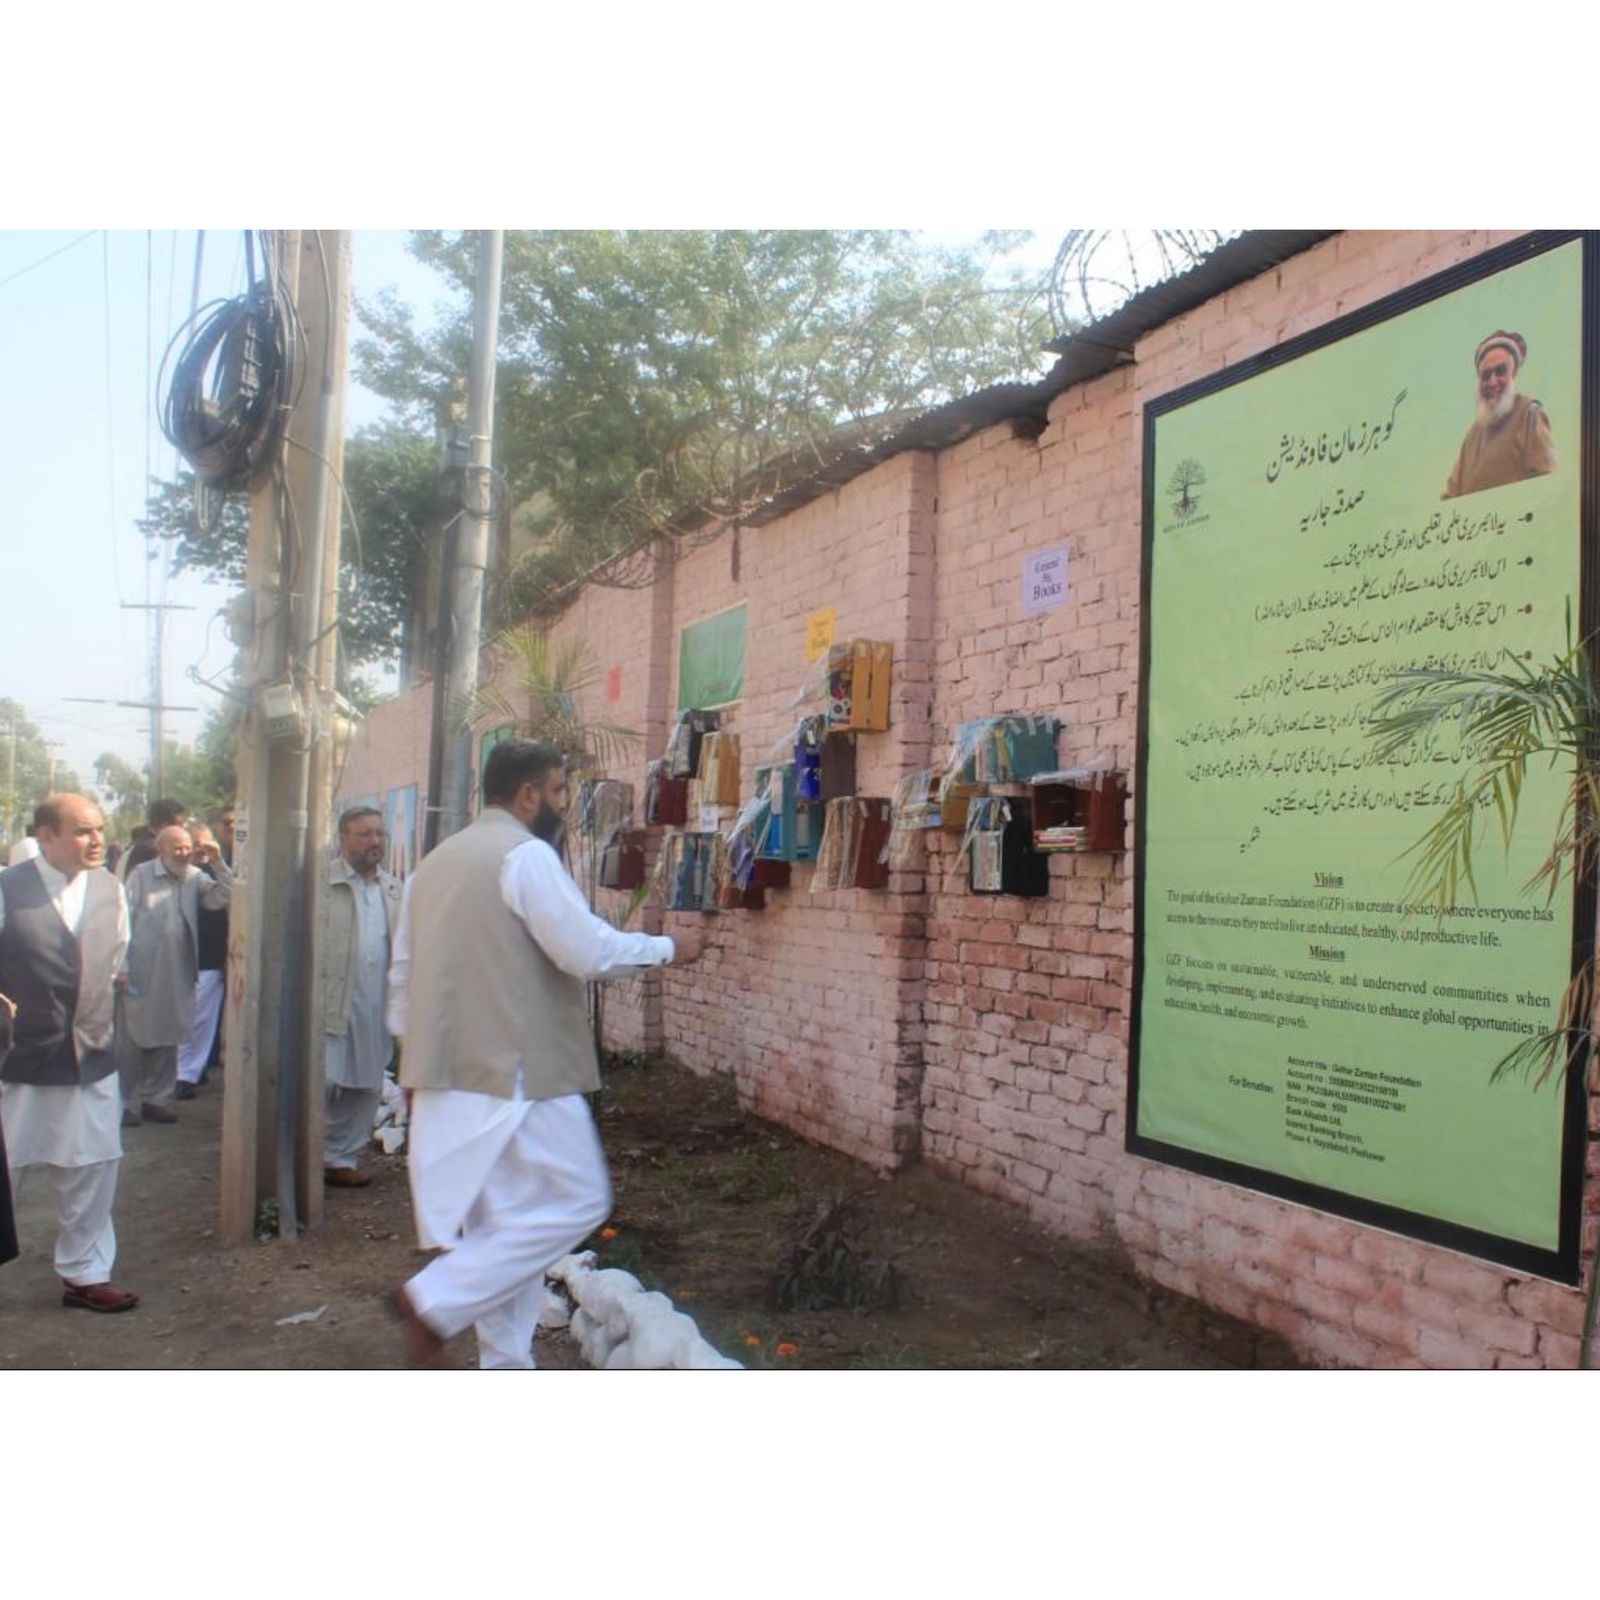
(347, 1124)
(542, 1194)
(196, 1051)
(86, 1240)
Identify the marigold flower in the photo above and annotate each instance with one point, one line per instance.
(751, 1340)
(608, 1234)
(787, 1349)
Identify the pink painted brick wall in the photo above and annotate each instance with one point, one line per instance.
(1027, 1001)
(388, 749)
(990, 1035)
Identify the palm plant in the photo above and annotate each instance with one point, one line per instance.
(1507, 720)
(538, 689)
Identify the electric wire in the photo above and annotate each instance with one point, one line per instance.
(111, 451)
(61, 250)
(228, 391)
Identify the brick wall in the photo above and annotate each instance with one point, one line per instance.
(813, 1003)
(1028, 1001)
(989, 1036)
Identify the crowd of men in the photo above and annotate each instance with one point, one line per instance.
(469, 979)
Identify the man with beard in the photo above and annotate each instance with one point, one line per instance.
(360, 911)
(63, 936)
(487, 992)
(1510, 438)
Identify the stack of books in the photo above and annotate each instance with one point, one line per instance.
(1062, 837)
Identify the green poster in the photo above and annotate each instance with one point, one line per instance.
(1312, 526)
(711, 661)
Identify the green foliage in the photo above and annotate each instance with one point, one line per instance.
(826, 1262)
(539, 691)
(399, 499)
(649, 379)
(32, 770)
(202, 777)
(1505, 720)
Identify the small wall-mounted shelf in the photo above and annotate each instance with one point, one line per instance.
(666, 798)
(993, 752)
(622, 860)
(1002, 859)
(718, 769)
(824, 765)
(1079, 810)
(787, 831)
(683, 748)
(690, 875)
(853, 841)
(858, 686)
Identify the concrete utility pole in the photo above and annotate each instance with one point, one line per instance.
(465, 582)
(272, 1104)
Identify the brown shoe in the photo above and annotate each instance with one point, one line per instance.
(97, 1296)
(345, 1178)
(153, 1113)
(424, 1347)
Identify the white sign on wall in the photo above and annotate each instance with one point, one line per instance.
(1044, 580)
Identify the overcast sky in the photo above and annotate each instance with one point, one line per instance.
(76, 433)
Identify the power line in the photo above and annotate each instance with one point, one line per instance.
(61, 251)
(111, 453)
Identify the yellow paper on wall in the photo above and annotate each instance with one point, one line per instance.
(820, 627)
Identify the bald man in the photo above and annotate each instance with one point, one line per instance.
(164, 900)
(63, 936)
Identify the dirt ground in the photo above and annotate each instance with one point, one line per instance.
(708, 1202)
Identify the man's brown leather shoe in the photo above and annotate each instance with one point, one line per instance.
(97, 1296)
(344, 1178)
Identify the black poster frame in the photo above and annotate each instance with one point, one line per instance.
(1564, 1262)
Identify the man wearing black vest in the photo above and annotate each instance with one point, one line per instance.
(63, 938)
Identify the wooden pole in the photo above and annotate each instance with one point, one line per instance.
(329, 273)
(256, 939)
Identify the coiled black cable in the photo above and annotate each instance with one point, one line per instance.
(231, 388)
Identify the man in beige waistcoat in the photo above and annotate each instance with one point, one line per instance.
(486, 991)
(1510, 438)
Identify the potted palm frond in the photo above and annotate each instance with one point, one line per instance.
(1510, 718)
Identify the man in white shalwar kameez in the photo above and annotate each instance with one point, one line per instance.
(360, 909)
(164, 900)
(63, 939)
(486, 991)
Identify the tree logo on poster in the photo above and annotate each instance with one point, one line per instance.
(1187, 476)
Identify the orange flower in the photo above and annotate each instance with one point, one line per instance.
(608, 1234)
(751, 1340)
(787, 1349)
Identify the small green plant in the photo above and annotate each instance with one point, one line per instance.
(826, 1263)
(751, 1175)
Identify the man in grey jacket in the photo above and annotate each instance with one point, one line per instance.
(360, 911)
(164, 901)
